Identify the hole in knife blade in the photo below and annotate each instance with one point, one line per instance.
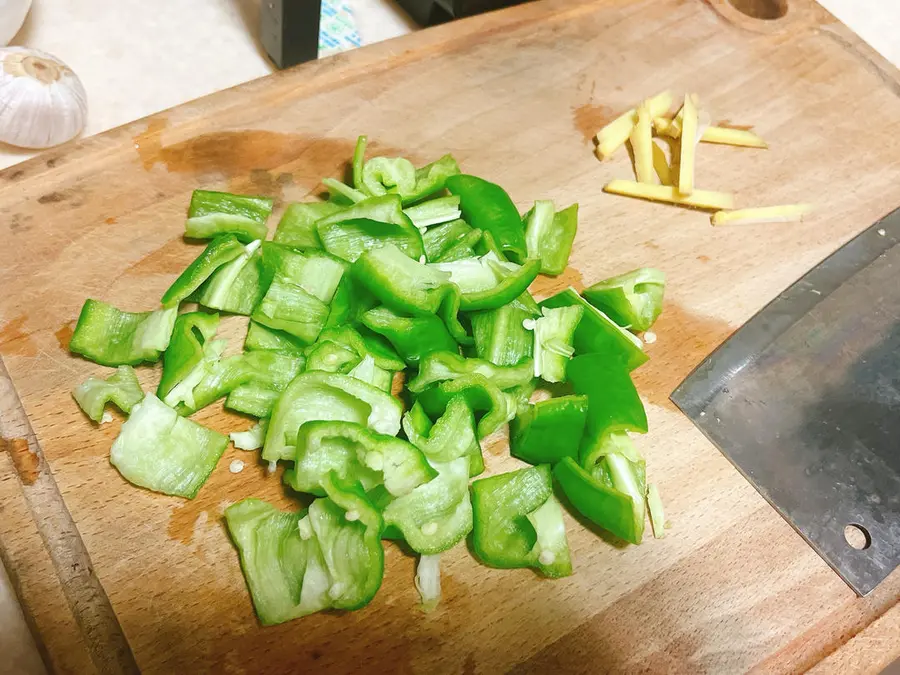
(857, 536)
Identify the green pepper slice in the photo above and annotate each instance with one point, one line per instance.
(355, 453)
(285, 572)
(518, 522)
(633, 300)
(549, 430)
(451, 437)
(486, 206)
(481, 395)
(488, 282)
(554, 332)
(163, 452)
(549, 235)
(437, 515)
(212, 214)
(441, 366)
(111, 337)
(369, 224)
(327, 396)
(237, 286)
(122, 388)
(413, 337)
(601, 504)
(219, 251)
(500, 335)
(613, 401)
(297, 226)
(348, 528)
(597, 333)
(190, 334)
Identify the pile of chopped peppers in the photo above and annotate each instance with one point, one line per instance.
(415, 272)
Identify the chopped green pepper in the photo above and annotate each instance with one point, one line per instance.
(215, 213)
(597, 333)
(601, 504)
(613, 401)
(368, 371)
(549, 430)
(285, 572)
(111, 337)
(399, 282)
(549, 236)
(122, 388)
(369, 224)
(348, 528)
(441, 366)
(633, 300)
(359, 160)
(385, 357)
(341, 192)
(488, 282)
(355, 453)
(462, 249)
(327, 396)
(440, 239)
(451, 437)
(518, 522)
(381, 175)
(657, 515)
(500, 334)
(331, 357)
(434, 212)
(190, 335)
(262, 338)
(431, 179)
(412, 337)
(438, 514)
(219, 251)
(486, 206)
(270, 374)
(297, 226)
(298, 298)
(553, 335)
(252, 439)
(163, 452)
(481, 395)
(235, 287)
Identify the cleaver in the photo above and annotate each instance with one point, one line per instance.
(804, 400)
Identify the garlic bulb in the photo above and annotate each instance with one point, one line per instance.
(42, 102)
(12, 16)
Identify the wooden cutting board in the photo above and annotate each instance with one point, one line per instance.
(113, 577)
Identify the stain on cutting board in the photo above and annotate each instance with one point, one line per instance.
(589, 118)
(14, 340)
(64, 335)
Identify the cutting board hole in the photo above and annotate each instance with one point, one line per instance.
(767, 10)
(857, 536)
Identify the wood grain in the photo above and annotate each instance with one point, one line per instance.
(515, 95)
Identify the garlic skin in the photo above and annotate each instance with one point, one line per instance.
(12, 16)
(42, 102)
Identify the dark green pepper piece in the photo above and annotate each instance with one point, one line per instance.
(486, 206)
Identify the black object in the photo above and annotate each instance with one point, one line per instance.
(289, 30)
(430, 12)
(805, 401)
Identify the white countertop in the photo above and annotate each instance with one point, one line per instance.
(136, 58)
